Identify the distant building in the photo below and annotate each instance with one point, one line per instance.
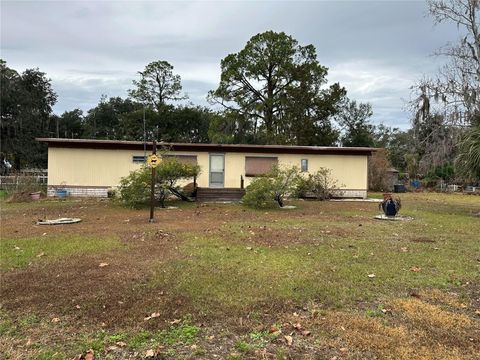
(392, 178)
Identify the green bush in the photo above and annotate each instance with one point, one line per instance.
(168, 173)
(271, 188)
(321, 185)
(260, 194)
(134, 190)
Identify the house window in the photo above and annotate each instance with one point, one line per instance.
(138, 158)
(304, 165)
(256, 165)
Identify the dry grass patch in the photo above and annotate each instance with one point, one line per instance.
(431, 316)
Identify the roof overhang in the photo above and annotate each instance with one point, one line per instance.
(196, 147)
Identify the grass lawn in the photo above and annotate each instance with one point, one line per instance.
(322, 281)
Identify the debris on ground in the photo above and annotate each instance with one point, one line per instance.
(393, 218)
(60, 221)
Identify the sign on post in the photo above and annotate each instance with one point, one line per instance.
(153, 160)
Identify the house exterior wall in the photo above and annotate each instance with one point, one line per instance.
(90, 172)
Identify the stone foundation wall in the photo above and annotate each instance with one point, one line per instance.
(81, 191)
(84, 191)
(357, 194)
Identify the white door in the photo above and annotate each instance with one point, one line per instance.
(217, 170)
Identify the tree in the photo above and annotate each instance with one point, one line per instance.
(435, 143)
(271, 188)
(446, 105)
(186, 124)
(308, 120)
(270, 83)
(467, 162)
(353, 119)
(131, 125)
(178, 124)
(230, 127)
(26, 104)
(104, 120)
(69, 125)
(134, 189)
(168, 173)
(378, 167)
(398, 144)
(157, 85)
(456, 88)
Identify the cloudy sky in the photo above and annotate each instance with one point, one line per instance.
(376, 49)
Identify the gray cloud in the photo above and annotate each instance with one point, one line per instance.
(375, 49)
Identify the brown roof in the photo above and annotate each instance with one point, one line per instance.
(196, 147)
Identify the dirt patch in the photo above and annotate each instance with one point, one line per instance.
(89, 299)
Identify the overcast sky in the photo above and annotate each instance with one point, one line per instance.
(376, 49)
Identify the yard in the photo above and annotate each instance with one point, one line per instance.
(322, 281)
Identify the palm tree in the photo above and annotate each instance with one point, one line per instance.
(467, 162)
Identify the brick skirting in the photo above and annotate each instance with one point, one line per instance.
(81, 191)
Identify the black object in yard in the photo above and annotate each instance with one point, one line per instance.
(390, 206)
(399, 188)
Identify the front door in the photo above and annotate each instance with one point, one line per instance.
(217, 170)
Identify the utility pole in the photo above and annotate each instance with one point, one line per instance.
(152, 186)
(144, 137)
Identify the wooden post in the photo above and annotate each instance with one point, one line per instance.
(152, 186)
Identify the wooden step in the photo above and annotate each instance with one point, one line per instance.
(220, 194)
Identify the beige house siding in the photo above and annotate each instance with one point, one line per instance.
(349, 170)
(90, 169)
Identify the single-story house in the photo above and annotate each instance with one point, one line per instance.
(91, 167)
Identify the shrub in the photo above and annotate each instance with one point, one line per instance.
(168, 173)
(260, 194)
(378, 176)
(321, 185)
(134, 190)
(272, 187)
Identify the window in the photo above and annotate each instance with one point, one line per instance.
(304, 165)
(138, 159)
(256, 165)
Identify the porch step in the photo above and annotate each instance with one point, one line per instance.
(221, 194)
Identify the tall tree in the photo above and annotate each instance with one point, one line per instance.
(69, 125)
(456, 87)
(269, 83)
(230, 127)
(26, 103)
(180, 124)
(157, 85)
(187, 124)
(397, 143)
(354, 119)
(102, 121)
(453, 95)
